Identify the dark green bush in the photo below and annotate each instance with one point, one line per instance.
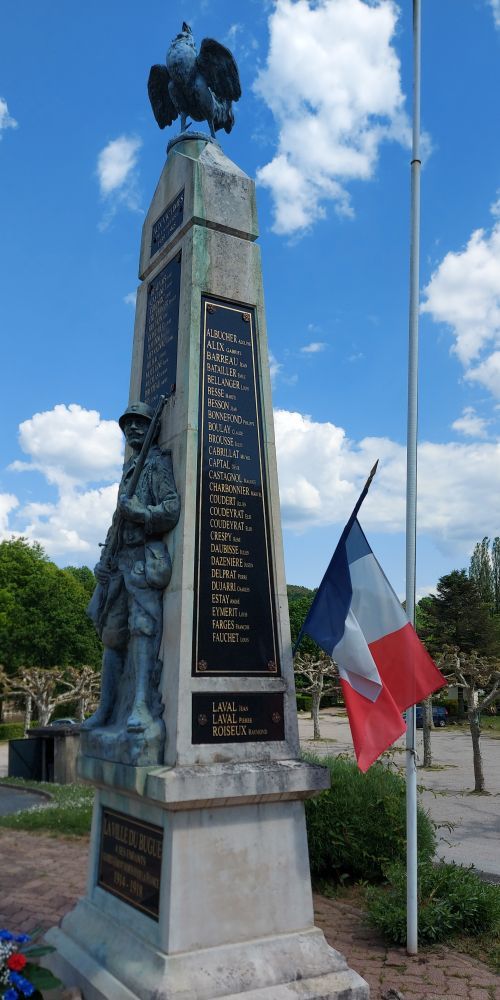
(451, 900)
(11, 730)
(358, 826)
(304, 702)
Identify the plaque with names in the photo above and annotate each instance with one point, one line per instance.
(159, 361)
(167, 223)
(129, 864)
(228, 717)
(235, 629)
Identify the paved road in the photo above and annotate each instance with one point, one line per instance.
(475, 838)
(12, 800)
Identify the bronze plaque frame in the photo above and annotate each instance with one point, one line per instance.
(129, 862)
(235, 621)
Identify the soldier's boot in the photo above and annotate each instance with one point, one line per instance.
(112, 666)
(143, 654)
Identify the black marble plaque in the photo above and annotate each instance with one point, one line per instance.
(159, 361)
(226, 717)
(167, 223)
(235, 617)
(130, 861)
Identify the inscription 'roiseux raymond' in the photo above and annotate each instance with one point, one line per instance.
(159, 361)
(130, 861)
(235, 620)
(226, 717)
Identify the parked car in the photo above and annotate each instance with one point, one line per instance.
(439, 715)
(64, 722)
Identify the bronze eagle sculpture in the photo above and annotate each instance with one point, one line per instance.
(202, 85)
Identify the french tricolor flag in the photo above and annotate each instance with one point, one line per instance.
(358, 620)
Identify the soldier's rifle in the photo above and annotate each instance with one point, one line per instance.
(108, 558)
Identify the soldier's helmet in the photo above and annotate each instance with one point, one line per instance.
(137, 409)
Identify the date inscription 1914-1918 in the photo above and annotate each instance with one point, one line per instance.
(130, 861)
(167, 223)
(228, 717)
(161, 334)
(235, 619)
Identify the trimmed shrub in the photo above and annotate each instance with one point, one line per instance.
(451, 900)
(304, 702)
(358, 827)
(11, 731)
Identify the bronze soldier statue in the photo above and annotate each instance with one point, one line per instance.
(132, 573)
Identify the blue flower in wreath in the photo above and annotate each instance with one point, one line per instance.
(22, 985)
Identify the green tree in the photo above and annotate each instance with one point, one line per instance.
(481, 571)
(457, 616)
(299, 602)
(85, 576)
(42, 611)
(495, 568)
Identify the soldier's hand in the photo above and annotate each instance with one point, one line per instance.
(132, 510)
(101, 573)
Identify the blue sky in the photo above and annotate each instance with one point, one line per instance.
(323, 126)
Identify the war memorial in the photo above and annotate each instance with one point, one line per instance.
(198, 884)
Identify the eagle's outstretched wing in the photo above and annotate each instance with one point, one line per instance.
(218, 66)
(163, 109)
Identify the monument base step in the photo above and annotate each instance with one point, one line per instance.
(119, 966)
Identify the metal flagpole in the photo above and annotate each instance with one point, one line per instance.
(411, 491)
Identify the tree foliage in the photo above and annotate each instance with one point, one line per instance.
(480, 570)
(299, 602)
(42, 611)
(457, 616)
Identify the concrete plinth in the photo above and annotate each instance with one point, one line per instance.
(235, 914)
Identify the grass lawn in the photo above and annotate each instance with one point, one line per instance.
(490, 726)
(68, 813)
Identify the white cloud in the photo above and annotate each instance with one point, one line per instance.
(116, 162)
(130, 299)
(314, 348)
(117, 174)
(6, 120)
(464, 292)
(322, 472)
(275, 367)
(8, 503)
(495, 6)
(73, 526)
(471, 424)
(75, 451)
(487, 373)
(332, 82)
(71, 446)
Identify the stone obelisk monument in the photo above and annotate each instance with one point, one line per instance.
(199, 883)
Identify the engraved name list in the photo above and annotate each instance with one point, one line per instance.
(235, 627)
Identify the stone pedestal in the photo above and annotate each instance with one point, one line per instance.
(199, 882)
